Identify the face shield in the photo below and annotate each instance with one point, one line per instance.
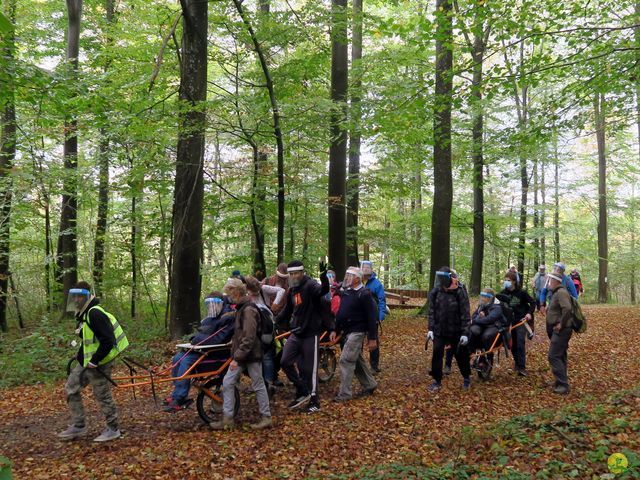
(349, 280)
(485, 298)
(331, 276)
(367, 268)
(559, 269)
(213, 306)
(443, 279)
(77, 299)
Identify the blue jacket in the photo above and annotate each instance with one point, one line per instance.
(375, 287)
(566, 283)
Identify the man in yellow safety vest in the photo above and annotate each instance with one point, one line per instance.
(103, 339)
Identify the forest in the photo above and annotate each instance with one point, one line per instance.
(151, 155)
(151, 148)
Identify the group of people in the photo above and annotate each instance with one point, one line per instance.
(509, 313)
(350, 311)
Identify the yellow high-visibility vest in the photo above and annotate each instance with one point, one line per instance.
(90, 343)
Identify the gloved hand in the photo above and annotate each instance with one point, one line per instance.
(430, 335)
(322, 267)
(464, 340)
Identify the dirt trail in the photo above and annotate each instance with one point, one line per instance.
(401, 422)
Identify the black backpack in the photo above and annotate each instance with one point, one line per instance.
(508, 315)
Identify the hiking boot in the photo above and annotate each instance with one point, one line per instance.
(339, 399)
(375, 370)
(521, 372)
(434, 387)
(561, 389)
(447, 370)
(167, 400)
(466, 384)
(299, 401)
(73, 432)
(278, 383)
(174, 406)
(265, 422)
(367, 392)
(107, 435)
(226, 423)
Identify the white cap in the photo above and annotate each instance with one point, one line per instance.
(355, 271)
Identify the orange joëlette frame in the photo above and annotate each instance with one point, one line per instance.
(163, 376)
(495, 341)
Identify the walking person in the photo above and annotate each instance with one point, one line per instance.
(373, 284)
(356, 320)
(449, 324)
(559, 330)
(102, 340)
(303, 313)
(246, 351)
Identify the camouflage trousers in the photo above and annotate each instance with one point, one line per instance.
(79, 378)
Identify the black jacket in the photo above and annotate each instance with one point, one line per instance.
(214, 331)
(492, 315)
(358, 313)
(305, 311)
(520, 302)
(102, 329)
(449, 314)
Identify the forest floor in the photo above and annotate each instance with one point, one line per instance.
(508, 427)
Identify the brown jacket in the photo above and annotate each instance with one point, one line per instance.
(245, 345)
(560, 308)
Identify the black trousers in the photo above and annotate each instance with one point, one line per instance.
(374, 355)
(461, 353)
(300, 363)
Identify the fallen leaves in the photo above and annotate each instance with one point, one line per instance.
(400, 424)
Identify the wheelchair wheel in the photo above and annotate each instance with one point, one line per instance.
(484, 370)
(326, 364)
(209, 409)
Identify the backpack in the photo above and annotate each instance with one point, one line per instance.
(579, 323)
(509, 319)
(266, 324)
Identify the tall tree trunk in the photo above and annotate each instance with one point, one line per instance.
(355, 137)
(603, 246)
(536, 218)
(338, 148)
(136, 187)
(524, 186)
(67, 256)
(633, 225)
(257, 207)
(477, 133)
(442, 177)
(7, 155)
(275, 110)
(103, 186)
(188, 194)
(556, 210)
(632, 222)
(543, 211)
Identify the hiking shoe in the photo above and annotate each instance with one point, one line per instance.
(367, 392)
(521, 372)
(278, 383)
(313, 407)
(107, 435)
(265, 422)
(226, 423)
(447, 370)
(375, 370)
(466, 384)
(561, 390)
(299, 401)
(339, 399)
(73, 432)
(167, 400)
(177, 406)
(434, 387)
